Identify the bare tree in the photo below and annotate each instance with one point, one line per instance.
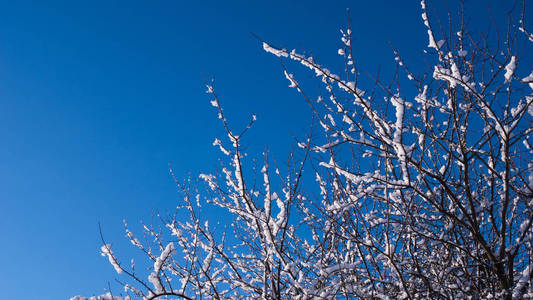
(423, 192)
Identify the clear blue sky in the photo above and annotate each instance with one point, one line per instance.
(98, 97)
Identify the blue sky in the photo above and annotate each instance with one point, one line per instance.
(98, 97)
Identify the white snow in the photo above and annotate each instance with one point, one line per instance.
(290, 77)
(462, 53)
(275, 51)
(522, 282)
(509, 69)
(107, 296)
(106, 251)
(529, 79)
(158, 265)
(432, 43)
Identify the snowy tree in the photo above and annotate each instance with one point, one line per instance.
(441, 206)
